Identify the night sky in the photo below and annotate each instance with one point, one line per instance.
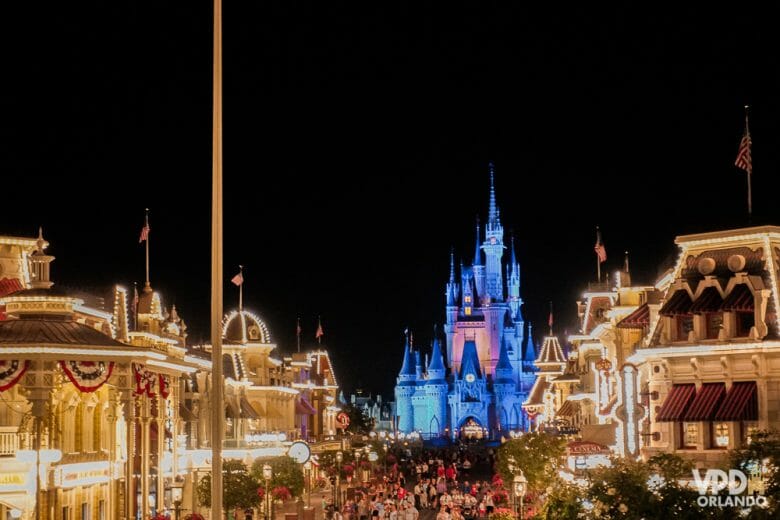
(357, 143)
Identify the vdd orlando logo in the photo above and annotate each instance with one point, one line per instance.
(735, 481)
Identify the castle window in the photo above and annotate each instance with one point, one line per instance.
(467, 299)
(468, 311)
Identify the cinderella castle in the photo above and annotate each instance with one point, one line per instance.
(479, 388)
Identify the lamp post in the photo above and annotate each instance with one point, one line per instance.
(520, 484)
(307, 469)
(176, 497)
(337, 499)
(268, 473)
(384, 447)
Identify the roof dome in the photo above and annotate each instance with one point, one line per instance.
(245, 327)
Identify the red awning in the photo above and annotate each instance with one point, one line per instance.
(10, 285)
(638, 319)
(706, 402)
(676, 403)
(302, 407)
(679, 303)
(739, 299)
(740, 404)
(708, 301)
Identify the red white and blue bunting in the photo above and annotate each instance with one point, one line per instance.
(165, 386)
(145, 381)
(11, 371)
(87, 376)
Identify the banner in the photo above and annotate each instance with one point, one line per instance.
(145, 381)
(87, 376)
(11, 371)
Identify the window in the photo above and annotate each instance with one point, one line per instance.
(102, 510)
(468, 311)
(748, 429)
(745, 320)
(65, 513)
(714, 324)
(85, 511)
(467, 299)
(684, 327)
(690, 434)
(720, 435)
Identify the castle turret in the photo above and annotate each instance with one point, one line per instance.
(436, 391)
(504, 388)
(468, 291)
(418, 368)
(452, 286)
(404, 390)
(494, 248)
(513, 284)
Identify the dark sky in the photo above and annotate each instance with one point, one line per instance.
(357, 139)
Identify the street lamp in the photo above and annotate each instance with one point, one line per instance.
(307, 469)
(520, 485)
(176, 486)
(384, 447)
(337, 500)
(268, 473)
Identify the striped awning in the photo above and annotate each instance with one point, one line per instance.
(740, 404)
(679, 303)
(739, 299)
(302, 407)
(569, 409)
(676, 403)
(638, 319)
(706, 402)
(708, 301)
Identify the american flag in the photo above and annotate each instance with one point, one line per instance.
(319, 332)
(144, 233)
(298, 328)
(744, 159)
(601, 252)
(238, 279)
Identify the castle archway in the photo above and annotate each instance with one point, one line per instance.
(470, 428)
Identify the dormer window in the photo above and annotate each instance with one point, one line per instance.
(741, 302)
(684, 326)
(714, 322)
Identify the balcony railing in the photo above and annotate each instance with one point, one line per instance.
(11, 441)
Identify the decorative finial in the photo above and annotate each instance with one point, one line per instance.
(626, 262)
(40, 242)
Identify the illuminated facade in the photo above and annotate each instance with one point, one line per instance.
(488, 369)
(710, 364)
(89, 418)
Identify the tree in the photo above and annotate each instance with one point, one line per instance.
(359, 422)
(538, 455)
(761, 458)
(286, 472)
(239, 488)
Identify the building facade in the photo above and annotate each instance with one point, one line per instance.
(475, 383)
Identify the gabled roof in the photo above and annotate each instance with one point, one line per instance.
(551, 352)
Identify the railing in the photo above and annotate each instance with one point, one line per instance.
(9, 440)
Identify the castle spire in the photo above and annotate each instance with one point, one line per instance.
(477, 248)
(452, 265)
(493, 212)
(513, 258)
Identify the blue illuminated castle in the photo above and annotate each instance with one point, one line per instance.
(489, 354)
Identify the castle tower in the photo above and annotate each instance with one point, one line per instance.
(494, 248)
(504, 388)
(404, 390)
(436, 392)
(452, 292)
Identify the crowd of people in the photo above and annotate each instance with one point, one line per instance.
(434, 480)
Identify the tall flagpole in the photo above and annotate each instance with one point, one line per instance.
(217, 404)
(241, 289)
(750, 170)
(598, 260)
(148, 286)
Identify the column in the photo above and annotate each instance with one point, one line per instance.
(161, 415)
(144, 477)
(126, 508)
